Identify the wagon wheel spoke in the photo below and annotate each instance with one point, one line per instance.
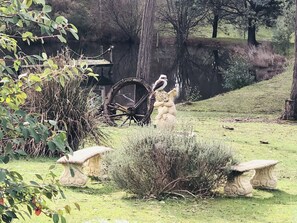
(141, 100)
(117, 115)
(125, 121)
(121, 106)
(139, 115)
(118, 107)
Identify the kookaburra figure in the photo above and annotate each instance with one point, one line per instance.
(161, 83)
(164, 102)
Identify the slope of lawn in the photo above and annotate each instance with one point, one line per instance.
(265, 97)
(252, 112)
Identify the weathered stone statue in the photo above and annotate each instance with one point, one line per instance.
(166, 117)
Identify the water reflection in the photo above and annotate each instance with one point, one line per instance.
(193, 67)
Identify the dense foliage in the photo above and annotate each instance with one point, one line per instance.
(18, 199)
(71, 104)
(238, 74)
(156, 164)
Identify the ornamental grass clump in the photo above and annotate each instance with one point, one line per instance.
(70, 105)
(157, 164)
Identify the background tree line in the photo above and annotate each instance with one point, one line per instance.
(120, 20)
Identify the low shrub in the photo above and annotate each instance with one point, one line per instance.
(156, 164)
(72, 105)
(238, 74)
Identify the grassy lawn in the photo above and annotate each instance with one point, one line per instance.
(253, 112)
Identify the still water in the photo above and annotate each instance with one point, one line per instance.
(193, 67)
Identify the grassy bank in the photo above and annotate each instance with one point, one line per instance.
(263, 98)
(252, 112)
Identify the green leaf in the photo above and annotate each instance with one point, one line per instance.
(68, 209)
(29, 209)
(52, 167)
(34, 183)
(49, 195)
(28, 3)
(51, 146)
(39, 176)
(2, 175)
(5, 159)
(62, 39)
(34, 135)
(55, 218)
(44, 56)
(47, 8)
(77, 206)
(72, 172)
(42, 2)
(63, 220)
(16, 174)
(11, 214)
(21, 152)
(61, 20)
(25, 133)
(52, 122)
(10, 201)
(34, 78)
(38, 89)
(74, 34)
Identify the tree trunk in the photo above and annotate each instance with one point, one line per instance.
(252, 32)
(291, 104)
(215, 24)
(146, 41)
(145, 51)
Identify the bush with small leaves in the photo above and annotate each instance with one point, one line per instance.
(284, 29)
(156, 164)
(19, 199)
(238, 74)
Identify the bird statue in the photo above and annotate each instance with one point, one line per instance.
(161, 83)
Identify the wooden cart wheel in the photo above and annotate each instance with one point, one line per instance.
(128, 101)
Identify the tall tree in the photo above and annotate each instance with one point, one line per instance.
(291, 104)
(217, 11)
(125, 15)
(146, 40)
(263, 12)
(183, 16)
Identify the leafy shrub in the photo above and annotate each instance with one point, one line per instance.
(192, 94)
(156, 164)
(284, 29)
(238, 74)
(72, 107)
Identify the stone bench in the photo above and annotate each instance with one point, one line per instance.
(74, 174)
(240, 184)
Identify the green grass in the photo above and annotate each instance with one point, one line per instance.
(227, 31)
(253, 112)
(265, 98)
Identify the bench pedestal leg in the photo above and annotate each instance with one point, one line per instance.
(264, 178)
(93, 166)
(76, 179)
(238, 184)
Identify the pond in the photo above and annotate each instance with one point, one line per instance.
(198, 69)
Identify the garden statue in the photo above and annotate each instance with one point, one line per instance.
(166, 117)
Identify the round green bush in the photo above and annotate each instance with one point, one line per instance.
(238, 74)
(151, 163)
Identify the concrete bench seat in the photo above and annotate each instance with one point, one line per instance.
(240, 184)
(74, 174)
